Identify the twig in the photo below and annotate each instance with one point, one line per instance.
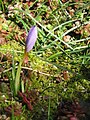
(70, 30)
(66, 11)
(81, 40)
(27, 68)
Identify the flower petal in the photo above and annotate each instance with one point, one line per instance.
(31, 38)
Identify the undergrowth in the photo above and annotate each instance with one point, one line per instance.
(59, 65)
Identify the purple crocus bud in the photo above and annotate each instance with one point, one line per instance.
(31, 38)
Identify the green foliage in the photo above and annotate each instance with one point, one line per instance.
(17, 79)
(62, 45)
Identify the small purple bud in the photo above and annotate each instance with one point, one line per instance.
(31, 38)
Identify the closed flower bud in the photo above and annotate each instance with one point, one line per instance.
(31, 38)
(30, 42)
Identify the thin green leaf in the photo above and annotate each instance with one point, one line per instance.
(17, 79)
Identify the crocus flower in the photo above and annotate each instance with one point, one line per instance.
(30, 42)
(31, 38)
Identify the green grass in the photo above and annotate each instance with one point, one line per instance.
(50, 57)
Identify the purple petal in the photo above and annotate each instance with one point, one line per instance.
(31, 38)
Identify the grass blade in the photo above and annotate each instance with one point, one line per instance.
(17, 79)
